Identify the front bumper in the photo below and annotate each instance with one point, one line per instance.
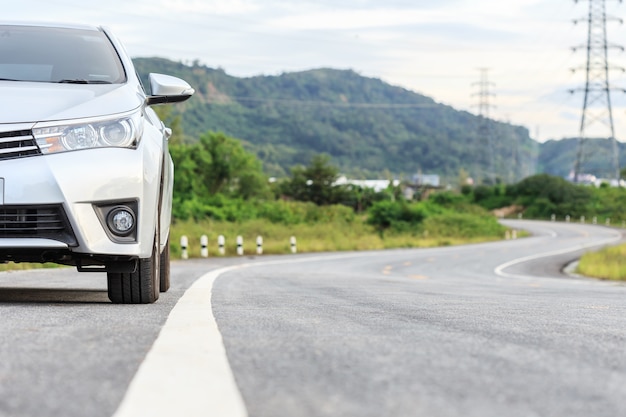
(78, 182)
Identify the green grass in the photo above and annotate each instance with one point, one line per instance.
(317, 237)
(608, 263)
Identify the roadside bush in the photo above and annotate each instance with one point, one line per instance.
(399, 216)
(297, 212)
(541, 208)
(483, 192)
(447, 198)
(334, 213)
(443, 202)
(462, 225)
(564, 198)
(218, 207)
(491, 197)
(284, 212)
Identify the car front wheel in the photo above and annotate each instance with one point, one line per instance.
(139, 287)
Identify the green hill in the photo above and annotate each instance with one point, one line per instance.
(557, 157)
(367, 126)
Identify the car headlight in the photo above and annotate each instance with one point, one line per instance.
(119, 132)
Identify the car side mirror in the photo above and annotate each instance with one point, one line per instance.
(167, 89)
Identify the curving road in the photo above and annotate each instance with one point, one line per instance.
(484, 330)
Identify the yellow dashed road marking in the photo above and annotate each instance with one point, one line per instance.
(418, 277)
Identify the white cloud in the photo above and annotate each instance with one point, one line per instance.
(347, 19)
(218, 7)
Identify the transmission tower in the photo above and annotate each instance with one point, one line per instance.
(485, 134)
(597, 102)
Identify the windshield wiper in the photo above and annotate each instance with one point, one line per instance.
(72, 81)
(82, 81)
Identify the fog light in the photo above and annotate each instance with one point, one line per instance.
(121, 221)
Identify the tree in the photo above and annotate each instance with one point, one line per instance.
(217, 164)
(314, 182)
(545, 195)
(185, 179)
(464, 178)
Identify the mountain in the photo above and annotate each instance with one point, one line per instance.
(368, 126)
(557, 157)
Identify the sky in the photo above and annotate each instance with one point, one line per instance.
(441, 49)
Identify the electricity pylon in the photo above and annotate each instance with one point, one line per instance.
(485, 133)
(597, 101)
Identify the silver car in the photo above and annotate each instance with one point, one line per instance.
(85, 173)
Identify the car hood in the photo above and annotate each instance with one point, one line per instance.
(26, 102)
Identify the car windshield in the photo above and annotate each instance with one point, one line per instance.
(58, 55)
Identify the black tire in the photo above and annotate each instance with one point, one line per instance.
(164, 276)
(139, 287)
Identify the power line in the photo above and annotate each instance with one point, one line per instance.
(321, 103)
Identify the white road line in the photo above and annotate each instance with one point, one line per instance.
(186, 373)
(500, 269)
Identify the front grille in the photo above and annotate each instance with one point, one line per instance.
(48, 222)
(18, 144)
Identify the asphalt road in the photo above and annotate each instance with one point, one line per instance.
(484, 330)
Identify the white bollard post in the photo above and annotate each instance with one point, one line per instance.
(567, 219)
(220, 244)
(514, 234)
(520, 216)
(204, 246)
(595, 220)
(582, 219)
(607, 222)
(184, 245)
(239, 245)
(292, 241)
(553, 217)
(259, 245)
